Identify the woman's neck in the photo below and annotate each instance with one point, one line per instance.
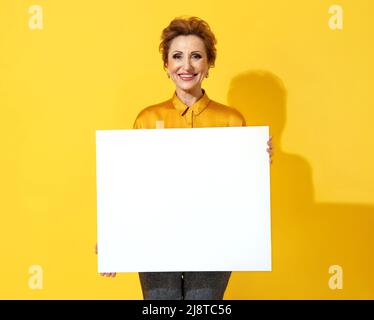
(189, 98)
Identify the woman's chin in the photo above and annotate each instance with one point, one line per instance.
(187, 86)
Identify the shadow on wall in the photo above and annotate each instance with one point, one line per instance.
(307, 237)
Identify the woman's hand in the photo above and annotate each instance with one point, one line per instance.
(106, 274)
(270, 150)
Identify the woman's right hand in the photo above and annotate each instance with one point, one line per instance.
(106, 274)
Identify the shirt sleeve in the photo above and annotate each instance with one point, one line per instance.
(239, 119)
(236, 119)
(243, 122)
(137, 124)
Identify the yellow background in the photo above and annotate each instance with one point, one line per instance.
(95, 65)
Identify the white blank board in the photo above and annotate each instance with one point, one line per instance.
(186, 199)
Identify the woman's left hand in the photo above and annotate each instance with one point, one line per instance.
(270, 150)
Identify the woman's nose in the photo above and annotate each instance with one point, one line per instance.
(187, 64)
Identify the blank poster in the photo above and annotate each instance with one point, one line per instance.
(195, 199)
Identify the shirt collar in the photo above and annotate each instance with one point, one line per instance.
(197, 107)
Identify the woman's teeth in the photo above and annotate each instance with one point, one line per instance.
(186, 77)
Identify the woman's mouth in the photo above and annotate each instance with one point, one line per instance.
(187, 76)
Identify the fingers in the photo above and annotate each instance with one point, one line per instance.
(111, 274)
(270, 142)
(270, 159)
(270, 149)
(108, 274)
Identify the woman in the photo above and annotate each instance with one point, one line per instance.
(188, 52)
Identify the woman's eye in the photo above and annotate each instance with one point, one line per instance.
(196, 56)
(177, 56)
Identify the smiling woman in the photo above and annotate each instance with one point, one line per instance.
(188, 52)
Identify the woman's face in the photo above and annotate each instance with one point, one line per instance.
(187, 62)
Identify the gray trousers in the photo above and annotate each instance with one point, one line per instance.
(184, 285)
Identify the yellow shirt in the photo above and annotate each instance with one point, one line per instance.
(173, 113)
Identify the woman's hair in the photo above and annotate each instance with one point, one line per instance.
(188, 26)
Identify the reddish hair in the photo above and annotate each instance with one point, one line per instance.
(188, 26)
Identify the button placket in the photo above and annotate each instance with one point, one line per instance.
(189, 118)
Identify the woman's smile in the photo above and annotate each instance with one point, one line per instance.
(187, 76)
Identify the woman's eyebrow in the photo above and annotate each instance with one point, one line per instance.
(177, 51)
